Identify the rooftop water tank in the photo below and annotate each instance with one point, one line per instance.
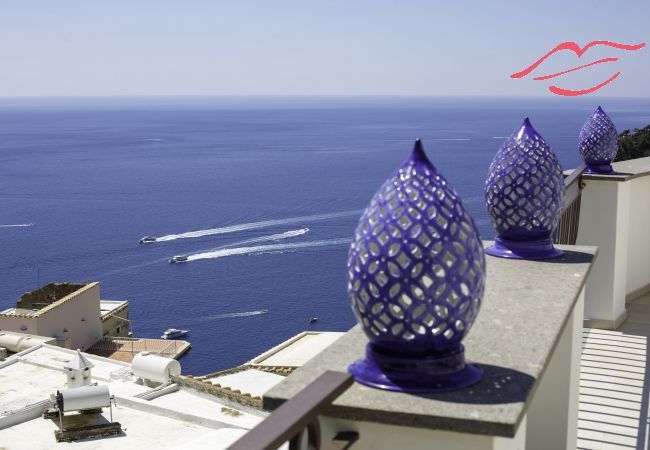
(155, 368)
(10, 341)
(15, 342)
(86, 397)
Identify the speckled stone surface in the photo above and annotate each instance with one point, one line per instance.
(626, 170)
(526, 306)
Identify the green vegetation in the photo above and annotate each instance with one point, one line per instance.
(46, 295)
(635, 144)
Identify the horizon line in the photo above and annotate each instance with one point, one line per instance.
(388, 96)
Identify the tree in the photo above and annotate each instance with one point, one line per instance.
(635, 144)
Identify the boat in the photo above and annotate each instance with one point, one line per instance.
(147, 240)
(264, 311)
(313, 319)
(177, 259)
(173, 333)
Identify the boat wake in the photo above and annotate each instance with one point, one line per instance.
(127, 268)
(255, 225)
(271, 237)
(18, 225)
(261, 249)
(235, 314)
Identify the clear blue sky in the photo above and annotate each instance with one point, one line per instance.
(193, 47)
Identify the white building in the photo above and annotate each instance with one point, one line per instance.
(181, 413)
(69, 313)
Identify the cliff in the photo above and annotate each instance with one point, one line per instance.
(633, 144)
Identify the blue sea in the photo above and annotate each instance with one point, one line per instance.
(264, 192)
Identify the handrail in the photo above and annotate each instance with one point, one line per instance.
(573, 186)
(566, 231)
(288, 422)
(164, 350)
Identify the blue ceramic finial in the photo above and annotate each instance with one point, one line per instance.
(416, 274)
(598, 143)
(524, 192)
(419, 156)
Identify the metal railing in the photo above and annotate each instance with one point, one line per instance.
(135, 345)
(299, 416)
(566, 231)
(170, 349)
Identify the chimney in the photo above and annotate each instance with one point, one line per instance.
(78, 371)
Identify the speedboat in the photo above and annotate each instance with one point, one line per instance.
(173, 333)
(264, 311)
(313, 319)
(147, 240)
(177, 259)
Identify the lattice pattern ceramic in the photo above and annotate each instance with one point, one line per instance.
(416, 267)
(525, 188)
(598, 142)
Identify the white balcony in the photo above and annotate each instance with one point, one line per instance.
(549, 384)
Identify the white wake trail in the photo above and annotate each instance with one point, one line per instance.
(258, 249)
(18, 225)
(225, 316)
(272, 237)
(254, 225)
(236, 314)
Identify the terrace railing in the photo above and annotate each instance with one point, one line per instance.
(296, 420)
(567, 228)
(108, 345)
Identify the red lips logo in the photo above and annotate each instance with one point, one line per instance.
(575, 48)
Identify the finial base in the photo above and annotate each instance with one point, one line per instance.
(436, 373)
(536, 249)
(600, 169)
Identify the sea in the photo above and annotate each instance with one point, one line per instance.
(262, 194)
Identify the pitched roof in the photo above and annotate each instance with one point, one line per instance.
(78, 362)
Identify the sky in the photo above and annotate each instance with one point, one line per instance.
(282, 47)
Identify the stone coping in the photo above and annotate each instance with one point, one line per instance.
(526, 307)
(627, 170)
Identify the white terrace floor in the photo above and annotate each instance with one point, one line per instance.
(614, 383)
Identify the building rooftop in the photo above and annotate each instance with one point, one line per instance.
(296, 351)
(171, 416)
(20, 312)
(144, 429)
(248, 381)
(167, 417)
(125, 348)
(108, 307)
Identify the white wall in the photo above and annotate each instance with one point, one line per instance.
(638, 263)
(604, 222)
(376, 436)
(69, 314)
(615, 216)
(65, 314)
(14, 323)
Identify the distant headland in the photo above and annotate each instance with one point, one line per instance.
(634, 144)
